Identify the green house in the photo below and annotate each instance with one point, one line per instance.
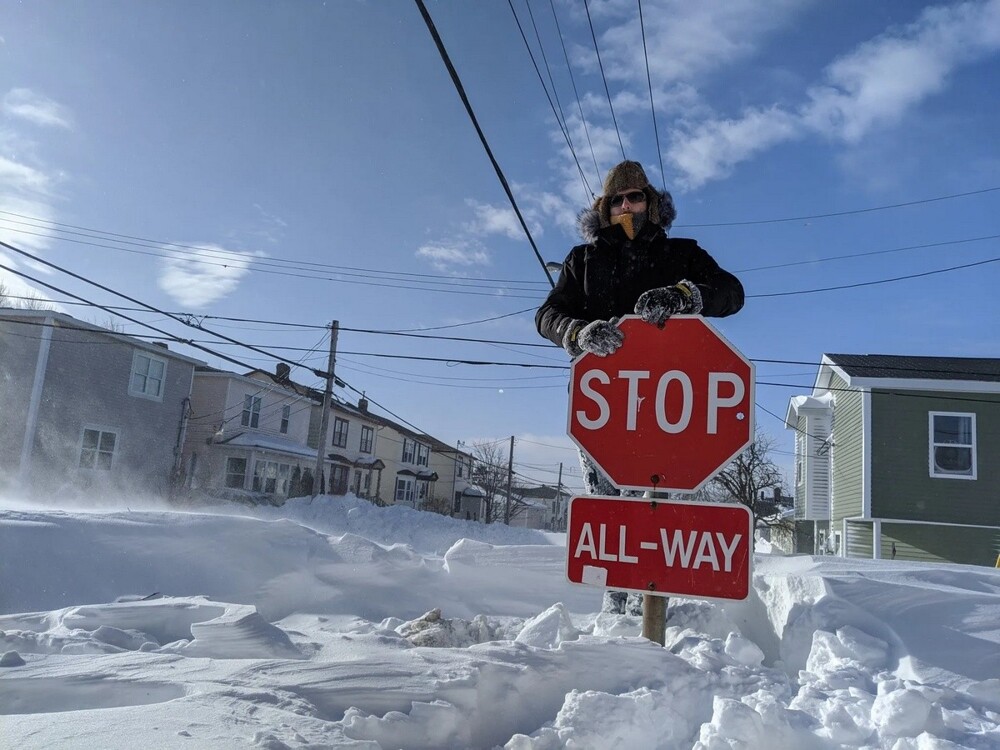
(898, 457)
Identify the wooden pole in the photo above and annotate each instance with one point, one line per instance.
(324, 420)
(654, 608)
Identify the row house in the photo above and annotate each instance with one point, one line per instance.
(247, 434)
(88, 408)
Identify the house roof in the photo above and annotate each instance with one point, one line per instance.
(924, 368)
(269, 443)
(70, 323)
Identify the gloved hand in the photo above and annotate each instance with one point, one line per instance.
(601, 337)
(657, 305)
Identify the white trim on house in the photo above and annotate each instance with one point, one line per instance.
(866, 453)
(928, 384)
(931, 445)
(37, 386)
(877, 539)
(859, 519)
(133, 371)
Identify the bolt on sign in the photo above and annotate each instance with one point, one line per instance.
(694, 549)
(668, 410)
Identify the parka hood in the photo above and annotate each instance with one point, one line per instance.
(589, 221)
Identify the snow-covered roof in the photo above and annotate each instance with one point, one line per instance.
(270, 443)
(797, 403)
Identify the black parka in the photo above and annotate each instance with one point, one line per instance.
(603, 279)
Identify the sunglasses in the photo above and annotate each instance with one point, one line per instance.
(636, 196)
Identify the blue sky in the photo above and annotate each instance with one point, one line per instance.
(329, 133)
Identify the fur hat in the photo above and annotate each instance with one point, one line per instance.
(630, 174)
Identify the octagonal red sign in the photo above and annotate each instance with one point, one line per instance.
(668, 410)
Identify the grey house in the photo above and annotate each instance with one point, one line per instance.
(87, 408)
(898, 457)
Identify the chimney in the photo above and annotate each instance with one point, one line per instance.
(363, 404)
(282, 371)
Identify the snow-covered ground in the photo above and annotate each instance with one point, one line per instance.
(339, 624)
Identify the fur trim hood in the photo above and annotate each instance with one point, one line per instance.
(590, 221)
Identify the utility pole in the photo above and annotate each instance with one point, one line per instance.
(510, 481)
(324, 420)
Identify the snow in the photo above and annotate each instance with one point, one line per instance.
(339, 624)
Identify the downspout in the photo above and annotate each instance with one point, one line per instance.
(31, 422)
(179, 445)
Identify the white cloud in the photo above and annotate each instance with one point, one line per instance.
(445, 257)
(687, 39)
(873, 86)
(712, 149)
(491, 220)
(877, 83)
(196, 284)
(35, 108)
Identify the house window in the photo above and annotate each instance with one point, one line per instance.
(338, 479)
(423, 454)
(286, 413)
(340, 432)
(952, 445)
(404, 490)
(460, 467)
(271, 477)
(836, 543)
(98, 449)
(148, 373)
(367, 439)
(236, 472)
(251, 411)
(409, 447)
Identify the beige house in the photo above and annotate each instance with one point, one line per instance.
(246, 434)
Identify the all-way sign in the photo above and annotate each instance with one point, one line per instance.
(695, 549)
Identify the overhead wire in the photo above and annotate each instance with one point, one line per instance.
(576, 92)
(652, 107)
(833, 214)
(482, 136)
(559, 115)
(586, 5)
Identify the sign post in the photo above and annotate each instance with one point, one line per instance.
(665, 413)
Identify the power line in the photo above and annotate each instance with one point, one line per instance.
(223, 254)
(869, 253)
(576, 93)
(877, 282)
(586, 5)
(842, 213)
(652, 107)
(560, 116)
(482, 136)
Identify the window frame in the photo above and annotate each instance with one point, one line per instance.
(250, 417)
(409, 451)
(228, 473)
(423, 454)
(933, 470)
(341, 429)
(275, 474)
(286, 414)
(101, 430)
(369, 445)
(134, 371)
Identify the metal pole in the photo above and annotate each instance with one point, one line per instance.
(510, 478)
(557, 520)
(324, 420)
(654, 608)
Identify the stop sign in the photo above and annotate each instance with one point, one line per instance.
(668, 410)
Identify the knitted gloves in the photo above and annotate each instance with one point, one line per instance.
(656, 305)
(600, 337)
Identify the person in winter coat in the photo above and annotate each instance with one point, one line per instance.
(628, 265)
